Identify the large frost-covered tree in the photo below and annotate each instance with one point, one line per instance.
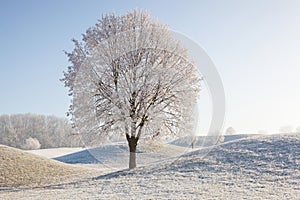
(130, 77)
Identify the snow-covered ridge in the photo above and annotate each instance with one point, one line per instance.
(276, 154)
(262, 167)
(202, 141)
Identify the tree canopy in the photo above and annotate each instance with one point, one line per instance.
(130, 77)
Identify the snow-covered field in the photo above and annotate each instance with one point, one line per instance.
(264, 167)
(116, 155)
(55, 152)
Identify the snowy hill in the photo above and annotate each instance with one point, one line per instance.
(204, 141)
(264, 167)
(55, 152)
(228, 138)
(116, 155)
(253, 168)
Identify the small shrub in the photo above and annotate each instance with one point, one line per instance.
(31, 144)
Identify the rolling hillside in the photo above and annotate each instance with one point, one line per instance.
(264, 167)
(22, 169)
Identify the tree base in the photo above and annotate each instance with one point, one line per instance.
(132, 143)
(132, 160)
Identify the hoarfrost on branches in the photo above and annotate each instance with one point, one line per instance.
(130, 77)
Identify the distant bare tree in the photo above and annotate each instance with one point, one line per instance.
(130, 78)
(230, 131)
(220, 139)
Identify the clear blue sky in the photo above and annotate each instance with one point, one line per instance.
(255, 45)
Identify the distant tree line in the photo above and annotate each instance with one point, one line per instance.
(32, 131)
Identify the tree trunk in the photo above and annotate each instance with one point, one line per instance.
(132, 143)
(132, 160)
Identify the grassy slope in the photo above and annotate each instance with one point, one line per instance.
(19, 168)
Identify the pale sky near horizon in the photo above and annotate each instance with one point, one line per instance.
(255, 45)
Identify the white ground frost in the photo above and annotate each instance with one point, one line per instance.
(265, 167)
